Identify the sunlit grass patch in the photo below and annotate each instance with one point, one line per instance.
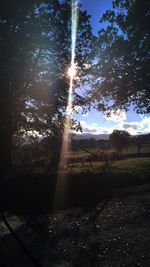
(139, 166)
(133, 166)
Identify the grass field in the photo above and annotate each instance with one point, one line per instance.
(29, 191)
(130, 150)
(138, 166)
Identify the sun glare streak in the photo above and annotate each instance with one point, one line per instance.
(59, 201)
(72, 71)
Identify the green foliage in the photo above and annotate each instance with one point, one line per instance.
(119, 139)
(121, 73)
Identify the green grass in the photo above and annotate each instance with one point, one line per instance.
(130, 150)
(133, 149)
(34, 190)
(135, 166)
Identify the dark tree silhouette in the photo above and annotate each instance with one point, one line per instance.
(35, 53)
(119, 139)
(140, 141)
(122, 68)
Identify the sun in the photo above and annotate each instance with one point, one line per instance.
(72, 71)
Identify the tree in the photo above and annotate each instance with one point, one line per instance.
(119, 139)
(35, 55)
(140, 141)
(121, 73)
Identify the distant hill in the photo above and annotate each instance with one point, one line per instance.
(94, 136)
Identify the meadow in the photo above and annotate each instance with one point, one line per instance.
(87, 178)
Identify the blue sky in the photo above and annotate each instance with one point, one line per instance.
(95, 8)
(96, 122)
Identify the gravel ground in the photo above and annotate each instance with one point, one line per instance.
(118, 235)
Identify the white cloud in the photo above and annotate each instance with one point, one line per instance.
(131, 127)
(95, 128)
(117, 116)
(146, 121)
(134, 128)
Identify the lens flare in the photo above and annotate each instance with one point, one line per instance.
(59, 201)
(72, 72)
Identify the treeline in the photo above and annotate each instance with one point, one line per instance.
(90, 143)
(138, 141)
(44, 154)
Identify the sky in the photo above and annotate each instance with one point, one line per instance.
(95, 122)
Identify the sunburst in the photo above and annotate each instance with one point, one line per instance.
(72, 72)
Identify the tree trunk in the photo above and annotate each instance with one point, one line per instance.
(5, 137)
(5, 153)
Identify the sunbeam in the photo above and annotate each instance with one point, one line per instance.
(59, 201)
